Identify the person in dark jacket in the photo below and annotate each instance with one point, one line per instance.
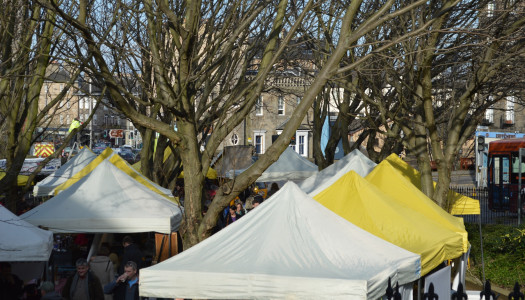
(84, 284)
(11, 287)
(126, 286)
(131, 253)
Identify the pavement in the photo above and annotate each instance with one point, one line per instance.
(474, 284)
(460, 177)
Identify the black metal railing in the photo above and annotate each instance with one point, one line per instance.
(487, 216)
(460, 294)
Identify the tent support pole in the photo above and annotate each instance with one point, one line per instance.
(169, 244)
(94, 245)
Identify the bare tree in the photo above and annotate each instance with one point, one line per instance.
(431, 91)
(190, 59)
(29, 39)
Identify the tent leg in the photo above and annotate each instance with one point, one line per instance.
(419, 288)
(169, 244)
(481, 244)
(94, 245)
(463, 267)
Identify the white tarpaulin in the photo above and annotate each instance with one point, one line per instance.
(354, 161)
(289, 247)
(119, 162)
(73, 166)
(107, 200)
(289, 166)
(21, 241)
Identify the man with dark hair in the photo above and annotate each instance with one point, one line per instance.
(258, 199)
(84, 285)
(131, 253)
(126, 286)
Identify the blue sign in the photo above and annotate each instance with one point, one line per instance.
(500, 135)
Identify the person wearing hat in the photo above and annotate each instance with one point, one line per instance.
(47, 290)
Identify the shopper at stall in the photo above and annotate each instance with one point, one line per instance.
(131, 253)
(84, 284)
(126, 286)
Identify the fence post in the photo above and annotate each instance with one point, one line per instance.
(392, 294)
(430, 295)
(459, 294)
(516, 294)
(389, 290)
(487, 292)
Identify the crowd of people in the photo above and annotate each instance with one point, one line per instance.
(103, 277)
(243, 204)
(106, 276)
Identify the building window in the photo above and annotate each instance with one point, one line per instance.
(94, 120)
(298, 100)
(280, 105)
(235, 139)
(491, 6)
(86, 117)
(259, 106)
(68, 104)
(258, 138)
(61, 119)
(81, 117)
(68, 119)
(489, 115)
(105, 119)
(301, 143)
(509, 111)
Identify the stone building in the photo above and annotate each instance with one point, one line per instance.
(79, 101)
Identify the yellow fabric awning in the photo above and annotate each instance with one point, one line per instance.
(21, 180)
(363, 204)
(462, 205)
(212, 174)
(400, 189)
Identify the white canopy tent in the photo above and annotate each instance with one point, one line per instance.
(354, 161)
(119, 162)
(107, 200)
(289, 247)
(289, 166)
(72, 167)
(21, 241)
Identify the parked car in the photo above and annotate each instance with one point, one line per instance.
(126, 148)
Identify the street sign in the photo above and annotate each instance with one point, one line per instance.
(116, 133)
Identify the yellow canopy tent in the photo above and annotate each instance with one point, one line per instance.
(120, 163)
(391, 182)
(363, 204)
(212, 173)
(21, 180)
(461, 205)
